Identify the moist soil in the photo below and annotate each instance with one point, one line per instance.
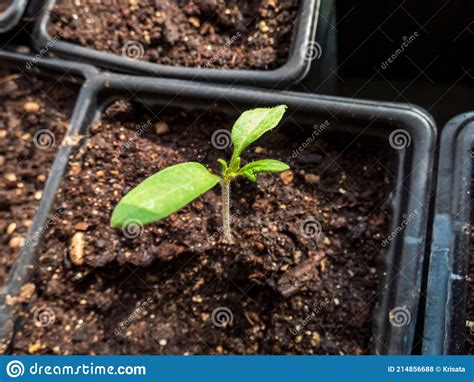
(283, 287)
(33, 120)
(226, 34)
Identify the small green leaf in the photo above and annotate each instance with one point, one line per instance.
(251, 125)
(235, 164)
(163, 193)
(223, 164)
(265, 165)
(250, 176)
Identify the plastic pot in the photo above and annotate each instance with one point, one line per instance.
(446, 305)
(403, 258)
(11, 15)
(26, 262)
(295, 69)
(321, 78)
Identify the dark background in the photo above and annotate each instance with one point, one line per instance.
(435, 71)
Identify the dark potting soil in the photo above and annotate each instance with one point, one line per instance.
(34, 114)
(301, 277)
(227, 34)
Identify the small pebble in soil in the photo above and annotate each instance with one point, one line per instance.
(33, 348)
(26, 292)
(81, 226)
(11, 228)
(195, 21)
(312, 178)
(287, 177)
(16, 242)
(11, 177)
(31, 107)
(76, 249)
(322, 265)
(262, 25)
(161, 128)
(315, 339)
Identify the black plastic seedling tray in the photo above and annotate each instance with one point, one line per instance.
(402, 263)
(26, 262)
(295, 69)
(11, 15)
(444, 328)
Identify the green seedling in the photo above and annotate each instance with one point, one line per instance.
(174, 187)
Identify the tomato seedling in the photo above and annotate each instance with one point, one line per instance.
(174, 187)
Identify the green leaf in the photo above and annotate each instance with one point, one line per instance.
(163, 193)
(265, 165)
(235, 164)
(251, 125)
(249, 176)
(223, 164)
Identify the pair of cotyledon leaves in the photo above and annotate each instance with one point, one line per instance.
(172, 188)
